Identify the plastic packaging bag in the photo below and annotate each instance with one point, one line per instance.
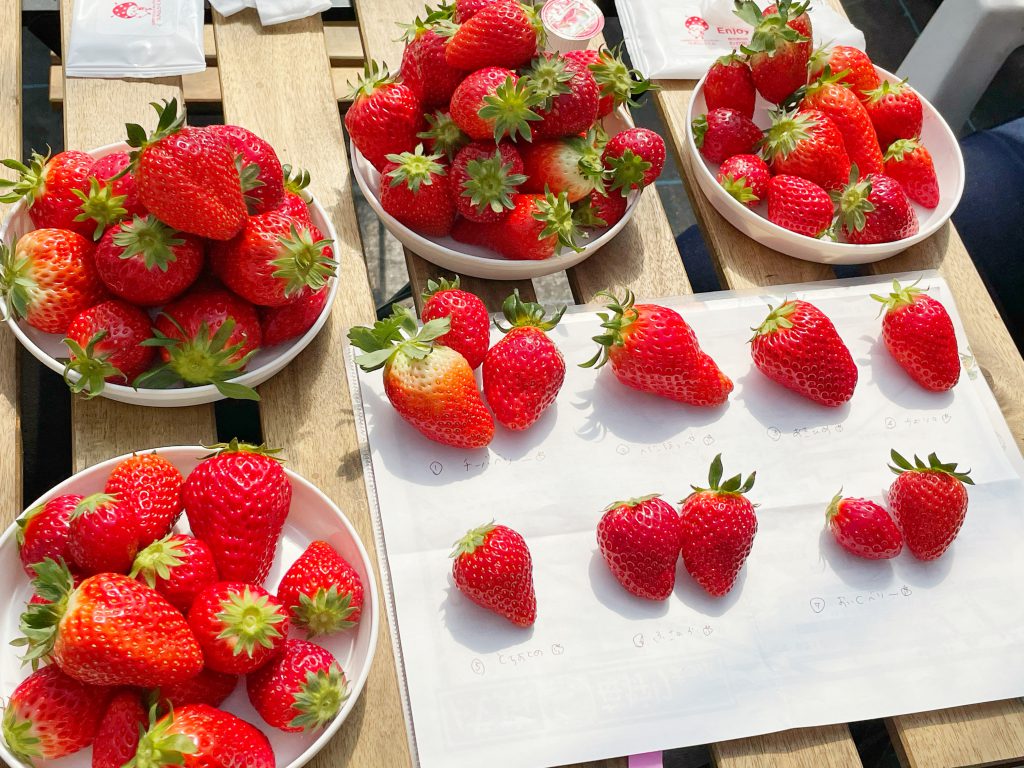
(680, 39)
(280, 11)
(136, 38)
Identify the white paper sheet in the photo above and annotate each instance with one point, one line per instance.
(809, 635)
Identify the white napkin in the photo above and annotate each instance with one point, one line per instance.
(280, 11)
(228, 7)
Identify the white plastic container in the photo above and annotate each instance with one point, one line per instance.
(570, 24)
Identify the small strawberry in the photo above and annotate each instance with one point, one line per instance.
(295, 200)
(617, 83)
(492, 103)
(746, 178)
(492, 567)
(725, 132)
(424, 66)
(240, 627)
(536, 228)
(302, 689)
(653, 349)
(118, 735)
(415, 189)
(567, 93)
(730, 84)
(469, 333)
(874, 209)
(208, 687)
(105, 343)
(807, 144)
(114, 165)
(854, 66)
(199, 736)
(443, 134)
(501, 34)
(151, 486)
(104, 535)
(236, 501)
(780, 47)
(798, 347)
(385, 115)
(281, 324)
(321, 591)
(929, 503)
(51, 715)
(49, 278)
(907, 161)
(799, 205)
(177, 566)
(571, 165)
(43, 531)
(48, 186)
(431, 386)
(634, 158)
(464, 9)
(863, 528)
(717, 529)
(919, 335)
(896, 112)
(259, 167)
(598, 210)
(639, 540)
(845, 110)
(483, 179)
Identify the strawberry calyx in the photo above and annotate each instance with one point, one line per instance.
(734, 486)
(296, 180)
(635, 501)
(23, 520)
(101, 205)
(38, 625)
(787, 130)
(93, 368)
(15, 281)
(444, 132)
(617, 80)
(699, 127)
(236, 446)
(19, 735)
(473, 540)
(490, 183)
(31, 181)
(900, 148)
(91, 504)
(157, 560)
(852, 202)
(587, 215)
(249, 620)
(398, 333)
(738, 188)
(777, 319)
(414, 169)
(168, 123)
(832, 510)
(827, 77)
(548, 77)
(933, 465)
(157, 747)
(509, 108)
(248, 180)
(375, 75)
(899, 297)
(432, 17)
(620, 315)
(302, 262)
(589, 162)
(875, 95)
(151, 238)
(526, 314)
(319, 698)
(439, 286)
(627, 171)
(325, 611)
(771, 32)
(557, 216)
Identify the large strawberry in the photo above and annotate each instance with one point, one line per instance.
(424, 66)
(492, 103)
(236, 501)
(114, 171)
(535, 228)
(502, 34)
(240, 627)
(280, 324)
(431, 386)
(259, 168)
(929, 503)
(302, 689)
(443, 134)
(469, 331)
(415, 189)
(492, 567)
(105, 343)
(874, 209)
(863, 528)
(48, 186)
(848, 114)
(798, 347)
(799, 205)
(483, 179)
(746, 178)
(187, 177)
(118, 735)
(151, 486)
(571, 165)
(177, 566)
(208, 687)
(729, 84)
(568, 95)
(724, 132)
(321, 591)
(907, 161)
(717, 529)
(653, 349)
(852, 64)
(385, 115)
(779, 48)
(43, 531)
(896, 112)
(807, 144)
(199, 736)
(104, 535)
(639, 540)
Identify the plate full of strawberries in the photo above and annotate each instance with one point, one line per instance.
(180, 267)
(185, 605)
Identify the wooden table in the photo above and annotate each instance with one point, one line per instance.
(278, 82)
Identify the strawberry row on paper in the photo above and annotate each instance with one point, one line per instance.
(170, 263)
(144, 632)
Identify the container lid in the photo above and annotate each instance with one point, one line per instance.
(572, 19)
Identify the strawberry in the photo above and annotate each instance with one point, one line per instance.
(187, 177)
(845, 110)
(259, 168)
(464, 9)
(875, 209)
(484, 178)
(501, 34)
(729, 84)
(929, 503)
(415, 190)
(536, 228)
(118, 735)
(43, 531)
(151, 486)
(431, 386)
(104, 535)
(302, 689)
(295, 201)
(634, 158)
(724, 132)
(424, 66)
(105, 343)
(598, 210)
(49, 278)
(853, 65)
(907, 161)
(385, 115)
(51, 715)
(567, 93)
(208, 687)
(199, 736)
(236, 501)
(177, 566)
(808, 144)
(717, 529)
(321, 591)
(746, 178)
(469, 333)
(571, 165)
(492, 567)
(779, 48)
(617, 84)
(863, 528)
(652, 349)
(109, 630)
(116, 163)
(639, 540)
(798, 347)
(48, 186)
(799, 205)
(240, 627)
(492, 103)
(524, 371)
(281, 324)
(443, 134)
(919, 335)
(895, 111)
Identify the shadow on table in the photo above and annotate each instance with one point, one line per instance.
(476, 628)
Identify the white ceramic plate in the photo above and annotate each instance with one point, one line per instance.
(312, 516)
(48, 347)
(937, 139)
(474, 260)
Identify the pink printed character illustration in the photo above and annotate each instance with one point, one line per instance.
(696, 26)
(129, 10)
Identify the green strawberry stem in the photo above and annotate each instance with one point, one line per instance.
(778, 318)
(557, 216)
(93, 369)
(900, 296)
(548, 77)
(590, 163)
(620, 316)
(445, 133)
(509, 108)
(490, 183)
(236, 446)
(249, 179)
(157, 560)
(734, 486)
(933, 465)
(303, 262)
(20, 736)
(439, 285)
(30, 182)
(38, 625)
(168, 123)
(636, 501)
(852, 201)
(627, 171)
(91, 503)
(738, 188)
(415, 169)
(586, 215)
(320, 697)
(770, 32)
(151, 238)
(374, 76)
(16, 282)
(398, 333)
(474, 538)
(787, 130)
(296, 180)
(325, 612)
(250, 621)
(833, 507)
(617, 80)
(158, 748)
(899, 148)
(101, 205)
(875, 95)
(524, 314)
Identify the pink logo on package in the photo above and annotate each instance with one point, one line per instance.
(696, 26)
(130, 10)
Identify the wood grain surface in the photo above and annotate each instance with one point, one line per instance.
(961, 737)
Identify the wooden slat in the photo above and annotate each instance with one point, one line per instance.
(306, 409)
(341, 38)
(985, 734)
(829, 747)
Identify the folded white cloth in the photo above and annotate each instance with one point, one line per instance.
(228, 7)
(280, 11)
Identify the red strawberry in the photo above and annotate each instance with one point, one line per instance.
(199, 736)
(240, 627)
(853, 65)
(724, 132)
(484, 178)
(322, 592)
(424, 67)
(635, 157)
(295, 200)
(302, 689)
(617, 84)
(919, 335)
(415, 190)
(51, 715)
(177, 566)
(492, 567)
(281, 324)
(464, 9)
(730, 84)
(43, 531)
(105, 343)
(863, 528)
(652, 349)
(151, 486)
(492, 103)
(501, 34)
(599, 210)
(469, 333)
(49, 278)
(799, 205)
(118, 735)
(875, 209)
(431, 386)
(208, 687)
(385, 115)
(104, 535)
(109, 166)
(845, 110)
(911, 165)
(746, 178)
(896, 112)
(717, 529)
(807, 144)
(798, 347)
(567, 95)
(779, 48)
(187, 176)
(443, 134)
(109, 630)
(929, 503)
(536, 228)
(236, 501)
(572, 165)
(639, 540)
(259, 168)
(48, 186)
